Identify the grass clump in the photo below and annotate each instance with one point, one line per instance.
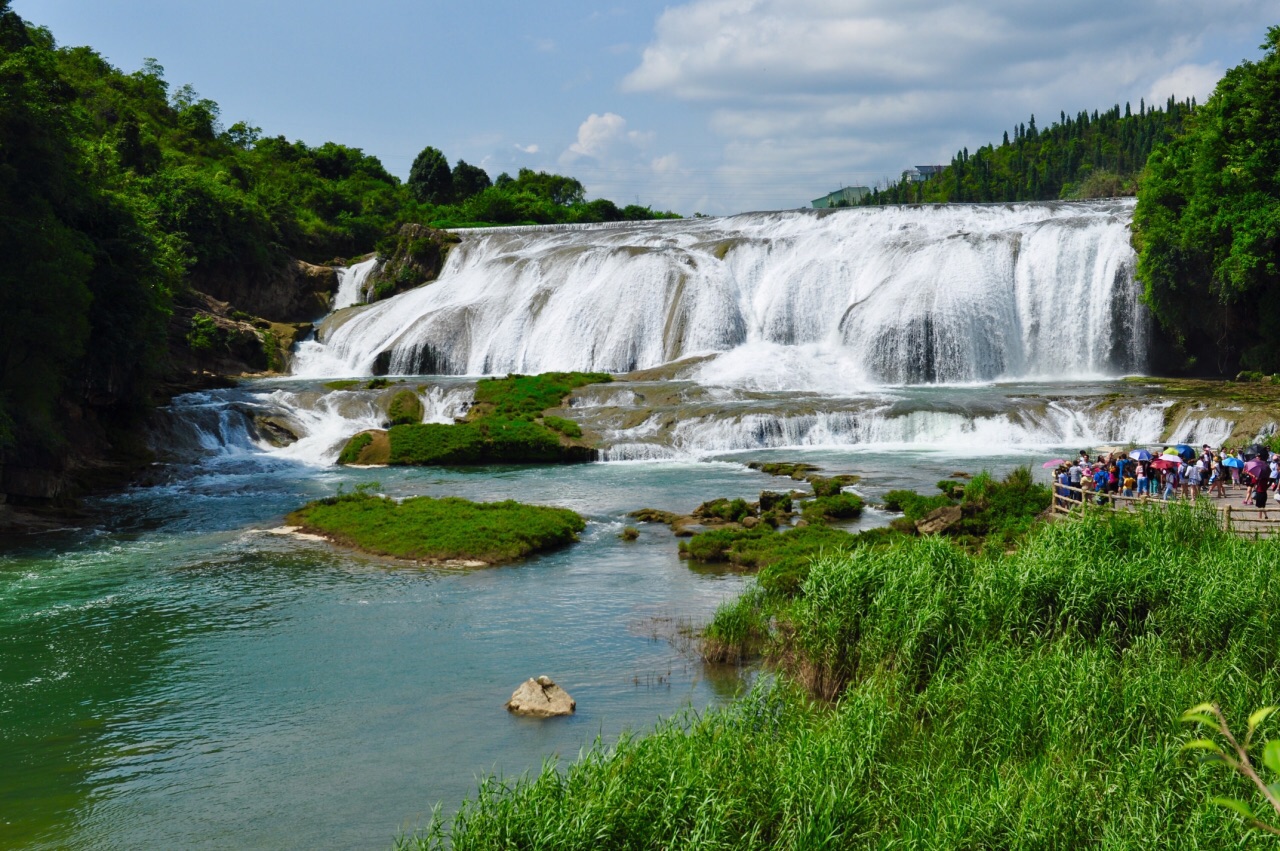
(1023, 700)
(405, 408)
(343, 384)
(839, 506)
(428, 529)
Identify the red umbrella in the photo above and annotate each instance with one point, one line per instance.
(1164, 464)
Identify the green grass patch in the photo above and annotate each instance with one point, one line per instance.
(521, 395)
(426, 528)
(1024, 700)
(344, 384)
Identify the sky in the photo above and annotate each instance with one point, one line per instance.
(713, 106)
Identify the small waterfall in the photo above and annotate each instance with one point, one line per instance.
(831, 301)
(351, 283)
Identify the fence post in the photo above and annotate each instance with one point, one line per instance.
(1226, 518)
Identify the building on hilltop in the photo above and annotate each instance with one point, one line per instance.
(919, 173)
(845, 197)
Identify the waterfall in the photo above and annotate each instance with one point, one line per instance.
(830, 300)
(351, 283)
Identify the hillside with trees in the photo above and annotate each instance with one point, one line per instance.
(1089, 155)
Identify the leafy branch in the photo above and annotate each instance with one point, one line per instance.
(1236, 757)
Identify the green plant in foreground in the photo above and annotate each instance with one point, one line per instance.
(1236, 757)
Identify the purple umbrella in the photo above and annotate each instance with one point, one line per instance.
(1255, 467)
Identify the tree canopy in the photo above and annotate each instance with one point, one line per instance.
(1207, 224)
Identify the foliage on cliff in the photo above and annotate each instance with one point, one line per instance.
(1207, 225)
(1089, 155)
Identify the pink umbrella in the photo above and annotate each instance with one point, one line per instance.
(1254, 467)
(1055, 462)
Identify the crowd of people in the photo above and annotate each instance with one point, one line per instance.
(1177, 473)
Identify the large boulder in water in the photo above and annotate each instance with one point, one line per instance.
(541, 698)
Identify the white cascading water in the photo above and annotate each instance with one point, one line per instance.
(351, 283)
(830, 301)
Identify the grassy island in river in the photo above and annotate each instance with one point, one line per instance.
(508, 424)
(424, 528)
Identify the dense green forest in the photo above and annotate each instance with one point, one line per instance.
(119, 193)
(1207, 224)
(1094, 155)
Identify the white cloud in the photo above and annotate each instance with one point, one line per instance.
(1186, 81)
(528, 149)
(603, 137)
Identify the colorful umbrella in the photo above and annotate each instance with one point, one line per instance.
(1184, 451)
(1255, 467)
(1055, 462)
(1232, 461)
(1140, 455)
(1172, 458)
(1163, 463)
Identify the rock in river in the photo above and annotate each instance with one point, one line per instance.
(541, 698)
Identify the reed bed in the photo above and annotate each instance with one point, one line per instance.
(1022, 700)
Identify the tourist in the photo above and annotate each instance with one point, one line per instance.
(1260, 487)
(1101, 482)
(1170, 483)
(1141, 480)
(1129, 484)
(1195, 475)
(1217, 479)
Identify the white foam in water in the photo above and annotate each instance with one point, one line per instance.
(828, 301)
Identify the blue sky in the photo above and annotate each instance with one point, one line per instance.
(717, 106)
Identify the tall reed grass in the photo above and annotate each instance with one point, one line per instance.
(1027, 700)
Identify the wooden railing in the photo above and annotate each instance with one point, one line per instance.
(1246, 520)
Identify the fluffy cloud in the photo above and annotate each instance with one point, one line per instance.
(805, 93)
(603, 137)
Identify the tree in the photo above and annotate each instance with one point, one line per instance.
(1207, 224)
(430, 179)
(469, 180)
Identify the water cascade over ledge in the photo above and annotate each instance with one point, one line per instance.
(828, 301)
